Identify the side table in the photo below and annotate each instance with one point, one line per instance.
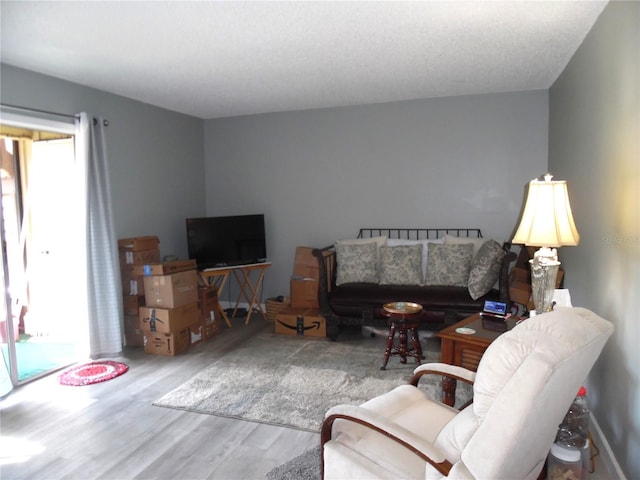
(464, 343)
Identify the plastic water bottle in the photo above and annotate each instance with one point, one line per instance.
(573, 432)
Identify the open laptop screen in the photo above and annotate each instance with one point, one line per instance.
(495, 308)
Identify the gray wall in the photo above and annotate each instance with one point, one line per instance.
(155, 156)
(594, 145)
(320, 175)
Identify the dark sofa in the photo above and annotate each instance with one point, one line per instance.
(360, 303)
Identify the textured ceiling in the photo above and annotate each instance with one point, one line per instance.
(218, 59)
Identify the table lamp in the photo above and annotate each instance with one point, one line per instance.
(546, 222)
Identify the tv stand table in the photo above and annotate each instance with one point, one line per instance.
(249, 289)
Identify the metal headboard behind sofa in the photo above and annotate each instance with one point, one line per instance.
(419, 233)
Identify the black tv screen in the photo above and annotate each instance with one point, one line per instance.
(226, 241)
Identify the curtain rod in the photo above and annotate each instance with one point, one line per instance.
(34, 110)
(105, 122)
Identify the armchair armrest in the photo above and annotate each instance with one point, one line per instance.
(444, 369)
(450, 376)
(424, 449)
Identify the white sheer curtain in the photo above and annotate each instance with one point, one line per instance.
(104, 297)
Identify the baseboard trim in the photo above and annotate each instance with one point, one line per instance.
(607, 457)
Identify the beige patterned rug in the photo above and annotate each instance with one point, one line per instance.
(292, 381)
(303, 467)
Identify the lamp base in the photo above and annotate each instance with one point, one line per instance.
(544, 271)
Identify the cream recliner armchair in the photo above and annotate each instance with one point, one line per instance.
(524, 386)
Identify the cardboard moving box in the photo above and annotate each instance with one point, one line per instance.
(305, 265)
(301, 321)
(168, 320)
(305, 279)
(132, 304)
(208, 302)
(138, 243)
(304, 293)
(129, 259)
(133, 335)
(196, 333)
(211, 328)
(132, 285)
(520, 292)
(169, 344)
(164, 268)
(171, 291)
(210, 311)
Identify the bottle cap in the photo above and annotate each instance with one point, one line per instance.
(566, 454)
(582, 392)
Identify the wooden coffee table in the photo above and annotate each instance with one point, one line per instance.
(465, 349)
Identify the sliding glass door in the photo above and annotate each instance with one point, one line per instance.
(40, 330)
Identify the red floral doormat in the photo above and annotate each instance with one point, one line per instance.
(93, 372)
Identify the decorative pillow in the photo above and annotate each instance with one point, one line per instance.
(476, 242)
(485, 268)
(393, 242)
(356, 263)
(401, 265)
(379, 241)
(449, 264)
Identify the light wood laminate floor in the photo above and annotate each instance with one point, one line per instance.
(111, 431)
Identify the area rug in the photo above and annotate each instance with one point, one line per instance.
(304, 467)
(292, 381)
(93, 372)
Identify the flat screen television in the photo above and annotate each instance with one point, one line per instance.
(226, 241)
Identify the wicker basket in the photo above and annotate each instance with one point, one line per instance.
(273, 307)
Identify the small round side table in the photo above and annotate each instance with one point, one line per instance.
(404, 317)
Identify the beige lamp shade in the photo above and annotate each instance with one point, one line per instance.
(547, 220)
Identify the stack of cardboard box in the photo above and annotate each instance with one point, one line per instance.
(134, 252)
(210, 322)
(303, 316)
(171, 297)
(165, 311)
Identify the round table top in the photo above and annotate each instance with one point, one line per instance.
(405, 308)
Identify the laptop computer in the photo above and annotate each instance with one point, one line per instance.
(495, 310)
